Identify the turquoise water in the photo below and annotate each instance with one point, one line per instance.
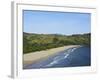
(73, 57)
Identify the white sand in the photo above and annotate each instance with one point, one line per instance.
(35, 56)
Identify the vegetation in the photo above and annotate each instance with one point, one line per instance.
(37, 42)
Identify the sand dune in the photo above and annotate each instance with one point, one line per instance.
(35, 56)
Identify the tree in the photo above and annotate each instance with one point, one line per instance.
(55, 40)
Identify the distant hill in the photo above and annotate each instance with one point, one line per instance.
(35, 42)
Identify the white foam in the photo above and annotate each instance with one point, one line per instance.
(66, 55)
(52, 63)
(58, 58)
(55, 60)
(73, 49)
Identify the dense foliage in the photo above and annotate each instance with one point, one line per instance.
(36, 42)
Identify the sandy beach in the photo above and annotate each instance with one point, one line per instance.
(32, 57)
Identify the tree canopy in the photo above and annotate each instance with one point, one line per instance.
(37, 42)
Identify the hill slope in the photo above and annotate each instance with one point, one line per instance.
(37, 42)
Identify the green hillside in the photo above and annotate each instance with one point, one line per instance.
(37, 42)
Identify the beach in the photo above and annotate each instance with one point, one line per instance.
(32, 57)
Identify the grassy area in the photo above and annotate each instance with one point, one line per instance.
(37, 42)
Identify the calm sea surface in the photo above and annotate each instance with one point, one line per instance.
(72, 57)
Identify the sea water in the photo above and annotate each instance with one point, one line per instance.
(73, 57)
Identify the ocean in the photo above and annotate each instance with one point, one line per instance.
(73, 57)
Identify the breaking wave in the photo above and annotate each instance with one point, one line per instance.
(61, 57)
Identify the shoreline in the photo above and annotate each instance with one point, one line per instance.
(39, 55)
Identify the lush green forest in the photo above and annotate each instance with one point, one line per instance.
(37, 42)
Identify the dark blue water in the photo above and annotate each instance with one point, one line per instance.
(73, 57)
